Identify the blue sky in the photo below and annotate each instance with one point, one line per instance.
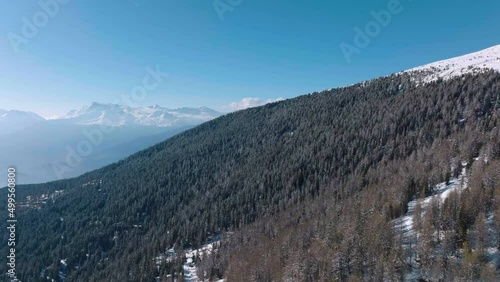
(96, 50)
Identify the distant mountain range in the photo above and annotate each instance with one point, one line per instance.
(47, 144)
(117, 115)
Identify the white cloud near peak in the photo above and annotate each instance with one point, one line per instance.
(246, 103)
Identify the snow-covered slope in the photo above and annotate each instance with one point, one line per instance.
(407, 229)
(405, 225)
(190, 269)
(117, 115)
(466, 64)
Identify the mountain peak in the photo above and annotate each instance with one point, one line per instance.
(98, 105)
(12, 120)
(155, 106)
(117, 115)
(16, 113)
(487, 59)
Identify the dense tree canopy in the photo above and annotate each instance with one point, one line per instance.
(309, 185)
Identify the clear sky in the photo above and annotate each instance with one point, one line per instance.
(97, 50)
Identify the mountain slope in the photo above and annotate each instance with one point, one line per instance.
(487, 59)
(253, 165)
(305, 189)
(14, 121)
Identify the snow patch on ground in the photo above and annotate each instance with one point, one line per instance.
(190, 270)
(441, 192)
(491, 248)
(405, 224)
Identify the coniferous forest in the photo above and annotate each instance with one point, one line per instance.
(306, 189)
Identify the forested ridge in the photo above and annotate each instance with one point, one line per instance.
(309, 186)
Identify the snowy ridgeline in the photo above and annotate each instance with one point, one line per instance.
(405, 224)
(487, 59)
(119, 115)
(473, 63)
(189, 267)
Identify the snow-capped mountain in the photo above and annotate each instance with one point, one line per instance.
(467, 64)
(49, 141)
(118, 115)
(12, 121)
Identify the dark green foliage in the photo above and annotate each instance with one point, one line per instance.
(263, 163)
